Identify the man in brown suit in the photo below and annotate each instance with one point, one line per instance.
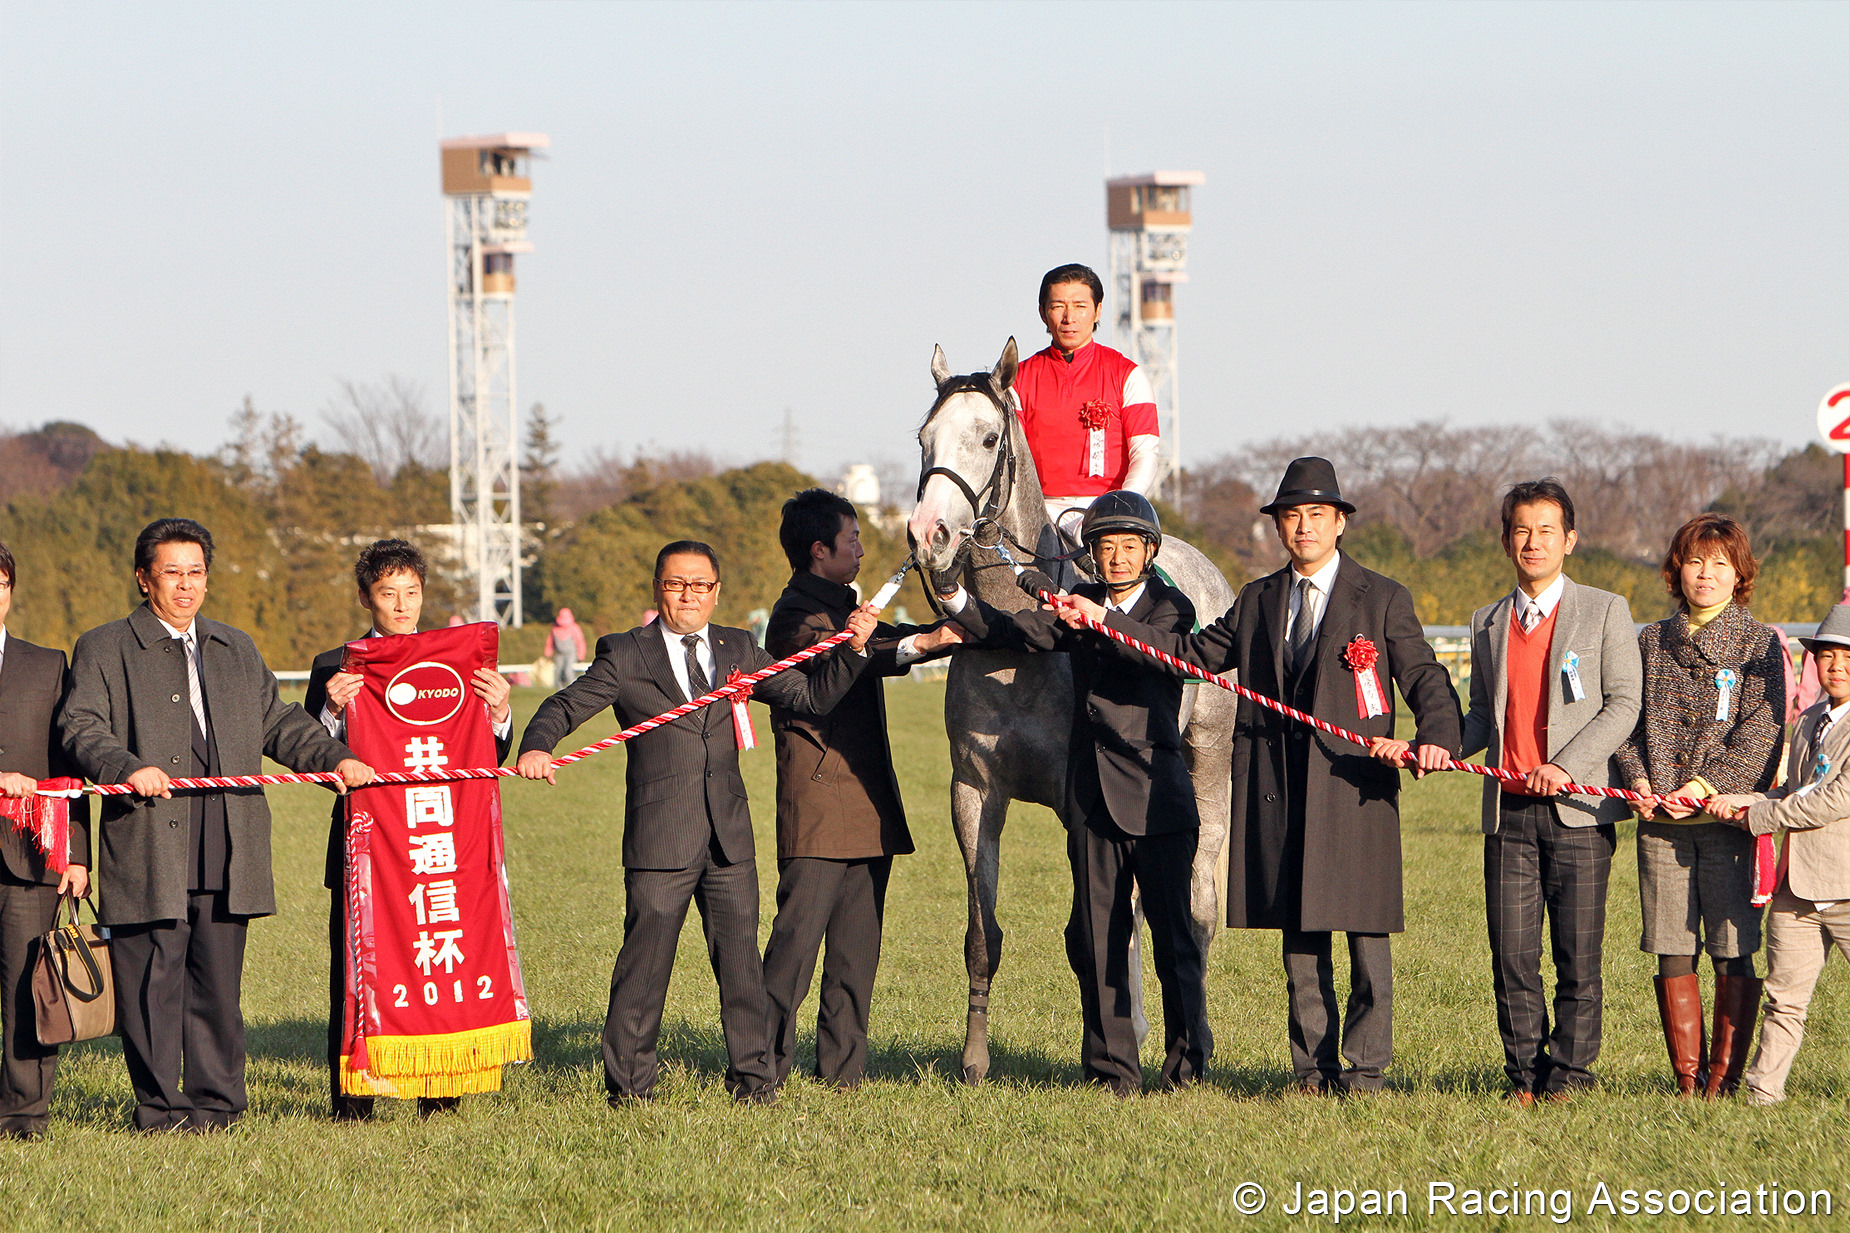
(33, 681)
(840, 821)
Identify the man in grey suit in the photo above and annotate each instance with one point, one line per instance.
(163, 694)
(687, 830)
(1556, 684)
(32, 684)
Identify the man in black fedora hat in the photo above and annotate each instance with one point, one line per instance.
(1315, 841)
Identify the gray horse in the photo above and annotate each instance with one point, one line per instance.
(1009, 714)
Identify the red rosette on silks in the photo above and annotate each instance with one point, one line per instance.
(1360, 657)
(741, 714)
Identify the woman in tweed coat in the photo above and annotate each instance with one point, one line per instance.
(1712, 724)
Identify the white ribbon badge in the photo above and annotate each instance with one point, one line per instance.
(742, 724)
(1095, 459)
(1571, 668)
(1368, 693)
(1724, 681)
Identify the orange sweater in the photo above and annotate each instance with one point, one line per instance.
(1525, 710)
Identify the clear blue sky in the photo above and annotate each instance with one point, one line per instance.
(1634, 213)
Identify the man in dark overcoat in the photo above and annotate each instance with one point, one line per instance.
(1315, 840)
(840, 820)
(165, 694)
(33, 681)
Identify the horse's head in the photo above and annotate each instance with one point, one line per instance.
(969, 458)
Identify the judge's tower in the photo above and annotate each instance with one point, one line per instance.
(1150, 218)
(485, 190)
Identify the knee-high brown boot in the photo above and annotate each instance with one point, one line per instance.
(1679, 1005)
(1737, 1001)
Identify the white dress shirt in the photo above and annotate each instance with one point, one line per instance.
(337, 724)
(1130, 599)
(1543, 605)
(677, 657)
(1320, 584)
(2, 646)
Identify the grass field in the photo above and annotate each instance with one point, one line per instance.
(913, 1148)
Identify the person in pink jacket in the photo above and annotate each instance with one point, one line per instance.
(565, 646)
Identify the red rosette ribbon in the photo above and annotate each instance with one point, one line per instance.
(1360, 657)
(1095, 415)
(741, 715)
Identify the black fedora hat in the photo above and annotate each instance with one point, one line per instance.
(1308, 481)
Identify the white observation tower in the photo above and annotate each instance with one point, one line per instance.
(1150, 218)
(485, 191)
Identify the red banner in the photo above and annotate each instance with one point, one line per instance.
(435, 1004)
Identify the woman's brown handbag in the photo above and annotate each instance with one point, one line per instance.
(73, 986)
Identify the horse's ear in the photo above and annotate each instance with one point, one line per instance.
(940, 371)
(1004, 374)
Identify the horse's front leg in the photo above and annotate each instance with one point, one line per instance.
(977, 818)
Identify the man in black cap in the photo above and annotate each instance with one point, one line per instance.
(1315, 839)
(1130, 804)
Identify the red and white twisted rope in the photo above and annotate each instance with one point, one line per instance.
(742, 684)
(1290, 712)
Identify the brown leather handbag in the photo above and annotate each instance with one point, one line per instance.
(73, 985)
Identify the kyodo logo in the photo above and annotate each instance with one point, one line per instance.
(425, 693)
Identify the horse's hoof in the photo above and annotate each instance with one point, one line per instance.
(974, 1075)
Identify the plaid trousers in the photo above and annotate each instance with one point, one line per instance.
(1532, 865)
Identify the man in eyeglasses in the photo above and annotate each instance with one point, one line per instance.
(687, 830)
(164, 694)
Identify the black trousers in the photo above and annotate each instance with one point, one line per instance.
(655, 908)
(1367, 1034)
(27, 910)
(1532, 865)
(844, 904)
(178, 989)
(1098, 938)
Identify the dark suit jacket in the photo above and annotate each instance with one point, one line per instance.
(324, 666)
(1322, 853)
(1124, 766)
(682, 779)
(128, 708)
(837, 796)
(33, 682)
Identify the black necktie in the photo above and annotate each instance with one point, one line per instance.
(1299, 642)
(1817, 742)
(697, 683)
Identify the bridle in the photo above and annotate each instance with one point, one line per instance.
(987, 531)
(1000, 486)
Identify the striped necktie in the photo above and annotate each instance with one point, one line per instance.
(195, 693)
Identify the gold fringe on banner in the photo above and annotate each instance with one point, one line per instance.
(453, 1064)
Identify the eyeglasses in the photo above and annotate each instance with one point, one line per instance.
(174, 575)
(674, 586)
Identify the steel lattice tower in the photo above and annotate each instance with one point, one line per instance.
(1150, 218)
(486, 187)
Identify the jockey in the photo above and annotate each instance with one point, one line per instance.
(1089, 412)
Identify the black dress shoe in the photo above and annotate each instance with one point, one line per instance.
(25, 1134)
(429, 1105)
(756, 1096)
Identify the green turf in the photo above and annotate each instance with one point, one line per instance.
(914, 1148)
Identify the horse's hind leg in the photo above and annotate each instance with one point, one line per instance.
(977, 818)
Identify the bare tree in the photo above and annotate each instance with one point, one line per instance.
(386, 425)
(604, 478)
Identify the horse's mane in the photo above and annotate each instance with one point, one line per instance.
(972, 383)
